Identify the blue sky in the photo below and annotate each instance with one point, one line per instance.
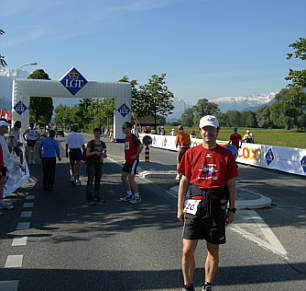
(207, 48)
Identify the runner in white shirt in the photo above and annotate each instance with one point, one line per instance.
(30, 135)
(16, 143)
(75, 142)
(135, 130)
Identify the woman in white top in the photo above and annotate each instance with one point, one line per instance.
(30, 135)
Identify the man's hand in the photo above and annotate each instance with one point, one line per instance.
(230, 217)
(180, 215)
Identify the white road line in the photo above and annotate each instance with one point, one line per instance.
(30, 197)
(28, 205)
(20, 241)
(23, 225)
(272, 243)
(9, 285)
(25, 214)
(14, 261)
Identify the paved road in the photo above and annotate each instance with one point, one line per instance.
(117, 246)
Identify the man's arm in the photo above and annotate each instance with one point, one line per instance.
(231, 184)
(183, 187)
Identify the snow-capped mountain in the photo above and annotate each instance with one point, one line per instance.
(6, 84)
(241, 103)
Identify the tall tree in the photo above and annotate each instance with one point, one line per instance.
(248, 119)
(187, 117)
(297, 77)
(263, 114)
(154, 99)
(2, 60)
(84, 105)
(40, 108)
(204, 107)
(234, 117)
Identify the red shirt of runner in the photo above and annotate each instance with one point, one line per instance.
(235, 138)
(208, 168)
(131, 144)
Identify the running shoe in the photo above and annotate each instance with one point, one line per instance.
(72, 179)
(135, 200)
(126, 198)
(5, 205)
(188, 289)
(77, 182)
(207, 288)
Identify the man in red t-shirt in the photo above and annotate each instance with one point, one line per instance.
(132, 149)
(209, 172)
(236, 139)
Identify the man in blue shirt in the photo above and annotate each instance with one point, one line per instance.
(48, 149)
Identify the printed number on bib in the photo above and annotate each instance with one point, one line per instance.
(191, 206)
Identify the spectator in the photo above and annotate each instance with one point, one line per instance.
(48, 149)
(247, 138)
(95, 154)
(236, 139)
(173, 133)
(76, 143)
(4, 157)
(193, 134)
(162, 131)
(135, 130)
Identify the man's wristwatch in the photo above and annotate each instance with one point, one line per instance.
(232, 210)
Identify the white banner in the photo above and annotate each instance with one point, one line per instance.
(15, 176)
(290, 160)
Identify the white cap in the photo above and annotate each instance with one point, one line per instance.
(4, 123)
(209, 120)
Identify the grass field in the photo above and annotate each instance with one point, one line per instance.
(278, 137)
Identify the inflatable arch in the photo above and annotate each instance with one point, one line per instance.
(72, 85)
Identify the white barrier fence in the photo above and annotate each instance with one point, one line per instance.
(286, 159)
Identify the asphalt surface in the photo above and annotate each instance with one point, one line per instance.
(118, 246)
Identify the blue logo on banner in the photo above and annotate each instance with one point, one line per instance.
(124, 110)
(73, 81)
(269, 156)
(20, 108)
(303, 163)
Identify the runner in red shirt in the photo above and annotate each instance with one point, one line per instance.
(236, 139)
(132, 149)
(209, 172)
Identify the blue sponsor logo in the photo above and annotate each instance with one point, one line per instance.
(20, 108)
(303, 163)
(73, 81)
(124, 110)
(164, 144)
(269, 157)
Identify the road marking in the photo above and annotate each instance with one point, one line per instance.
(25, 214)
(271, 243)
(9, 285)
(23, 225)
(20, 241)
(30, 197)
(28, 205)
(14, 261)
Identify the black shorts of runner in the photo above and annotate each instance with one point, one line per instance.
(181, 154)
(130, 168)
(31, 143)
(75, 155)
(212, 229)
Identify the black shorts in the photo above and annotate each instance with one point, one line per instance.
(31, 143)
(181, 154)
(212, 229)
(130, 168)
(75, 155)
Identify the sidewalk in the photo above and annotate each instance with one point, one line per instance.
(245, 199)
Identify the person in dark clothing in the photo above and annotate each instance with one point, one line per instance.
(95, 154)
(48, 149)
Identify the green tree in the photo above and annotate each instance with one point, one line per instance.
(2, 60)
(223, 119)
(204, 107)
(263, 116)
(40, 108)
(84, 105)
(187, 117)
(234, 117)
(154, 99)
(297, 77)
(100, 111)
(248, 119)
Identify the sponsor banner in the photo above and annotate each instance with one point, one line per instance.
(286, 159)
(16, 177)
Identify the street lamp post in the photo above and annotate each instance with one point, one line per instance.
(30, 64)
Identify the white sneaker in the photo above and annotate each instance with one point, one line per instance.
(72, 179)
(6, 205)
(126, 198)
(135, 200)
(77, 182)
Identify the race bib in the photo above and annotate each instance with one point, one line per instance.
(191, 206)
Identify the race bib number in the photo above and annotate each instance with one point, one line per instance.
(127, 145)
(191, 206)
